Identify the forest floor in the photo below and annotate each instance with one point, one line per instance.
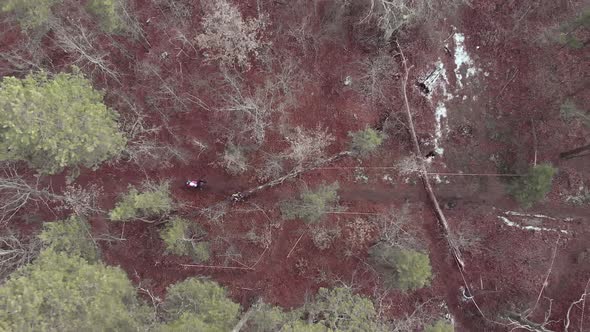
(500, 86)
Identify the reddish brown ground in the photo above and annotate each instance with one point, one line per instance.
(506, 266)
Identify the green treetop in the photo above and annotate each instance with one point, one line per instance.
(109, 13)
(533, 187)
(59, 292)
(401, 268)
(183, 237)
(364, 142)
(339, 309)
(71, 236)
(312, 205)
(440, 326)
(203, 303)
(53, 123)
(30, 14)
(154, 200)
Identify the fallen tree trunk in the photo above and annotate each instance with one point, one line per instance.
(574, 152)
(424, 173)
(246, 316)
(518, 321)
(294, 173)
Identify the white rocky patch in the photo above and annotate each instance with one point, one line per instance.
(439, 114)
(437, 84)
(518, 214)
(462, 58)
(388, 179)
(530, 228)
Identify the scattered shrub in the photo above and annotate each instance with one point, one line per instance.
(409, 165)
(312, 205)
(440, 326)
(71, 236)
(53, 123)
(570, 41)
(324, 236)
(569, 111)
(234, 160)
(30, 14)
(359, 232)
(365, 141)
(183, 237)
(583, 20)
(202, 302)
(271, 169)
(109, 13)
(533, 187)
(308, 146)
(401, 268)
(154, 200)
(582, 197)
(227, 36)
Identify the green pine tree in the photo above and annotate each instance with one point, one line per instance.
(185, 238)
(154, 200)
(312, 204)
(364, 142)
(56, 122)
(70, 236)
(60, 292)
(30, 14)
(401, 268)
(109, 13)
(533, 187)
(197, 302)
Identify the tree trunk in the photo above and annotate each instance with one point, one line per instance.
(574, 152)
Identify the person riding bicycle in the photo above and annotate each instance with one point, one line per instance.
(198, 184)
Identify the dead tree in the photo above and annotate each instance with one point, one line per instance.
(575, 153)
(17, 191)
(75, 39)
(250, 111)
(580, 304)
(294, 173)
(424, 173)
(16, 251)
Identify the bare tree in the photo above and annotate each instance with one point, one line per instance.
(73, 38)
(82, 201)
(308, 146)
(250, 111)
(21, 60)
(302, 31)
(227, 36)
(394, 229)
(580, 304)
(17, 192)
(234, 160)
(143, 147)
(181, 10)
(409, 165)
(376, 78)
(392, 15)
(272, 167)
(16, 251)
